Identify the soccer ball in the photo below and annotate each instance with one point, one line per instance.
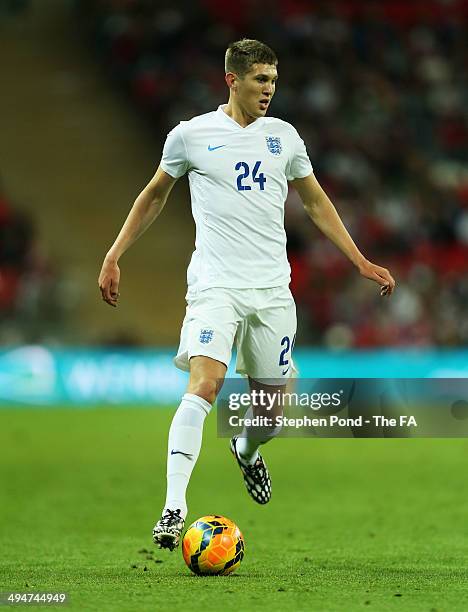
(213, 545)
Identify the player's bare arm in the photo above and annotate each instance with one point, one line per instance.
(145, 210)
(322, 212)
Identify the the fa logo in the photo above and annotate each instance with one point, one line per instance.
(274, 144)
(206, 336)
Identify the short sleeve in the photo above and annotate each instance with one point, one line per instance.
(174, 158)
(299, 166)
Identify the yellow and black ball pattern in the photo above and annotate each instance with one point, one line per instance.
(213, 545)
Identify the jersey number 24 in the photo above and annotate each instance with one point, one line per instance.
(257, 177)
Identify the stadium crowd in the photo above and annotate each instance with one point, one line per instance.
(32, 304)
(379, 92)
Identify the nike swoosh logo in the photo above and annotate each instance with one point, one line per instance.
(174, 452)
(286, 370)
(210, 148)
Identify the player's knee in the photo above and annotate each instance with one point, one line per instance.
(207, 388)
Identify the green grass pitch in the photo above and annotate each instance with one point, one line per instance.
(352, 525)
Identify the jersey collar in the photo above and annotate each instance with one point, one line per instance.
(255, 125)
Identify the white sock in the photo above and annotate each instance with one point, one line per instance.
(185, 438)
(251, 438)
(247, 448)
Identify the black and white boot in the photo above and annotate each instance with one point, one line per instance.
(256, 476)
(167, 531)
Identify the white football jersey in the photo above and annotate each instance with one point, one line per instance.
(238, 185)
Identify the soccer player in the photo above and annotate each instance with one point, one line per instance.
(239, 163)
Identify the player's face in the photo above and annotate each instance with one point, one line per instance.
(256, 89)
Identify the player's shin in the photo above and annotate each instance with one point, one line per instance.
(185, 438)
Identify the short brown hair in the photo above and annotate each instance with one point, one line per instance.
(242, 54)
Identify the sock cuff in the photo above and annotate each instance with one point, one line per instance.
(198, 401)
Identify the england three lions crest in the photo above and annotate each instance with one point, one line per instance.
(274, 144)
(206, 336)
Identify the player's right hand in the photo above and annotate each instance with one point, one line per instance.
(108, 282)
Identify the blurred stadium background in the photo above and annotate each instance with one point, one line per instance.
(89, 89)
(379, 92)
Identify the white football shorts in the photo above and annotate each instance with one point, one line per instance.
(261, 323)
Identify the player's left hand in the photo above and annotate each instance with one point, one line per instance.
(379, 275)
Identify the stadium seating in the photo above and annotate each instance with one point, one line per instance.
(376, 90)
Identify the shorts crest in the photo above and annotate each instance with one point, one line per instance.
(274, 144)
(206, 336)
